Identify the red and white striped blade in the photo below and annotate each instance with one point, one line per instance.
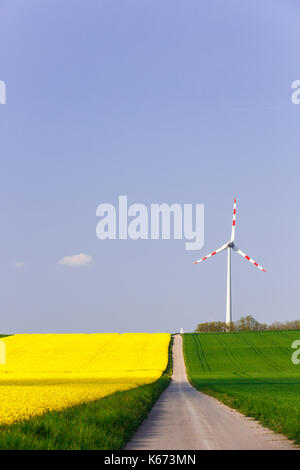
(240, 252)
(223, 247)
(233, 221)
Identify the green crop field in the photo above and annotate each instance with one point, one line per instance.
(250, 371)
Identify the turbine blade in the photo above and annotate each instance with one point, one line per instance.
(223, 247)
(233, 221)
(240, 252)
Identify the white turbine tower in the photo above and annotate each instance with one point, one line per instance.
(230, 246)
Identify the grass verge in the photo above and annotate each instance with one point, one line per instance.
(105, 424)
(251, 372)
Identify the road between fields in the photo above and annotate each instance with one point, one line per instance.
(183, 419)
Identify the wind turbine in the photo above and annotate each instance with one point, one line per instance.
(230, 246)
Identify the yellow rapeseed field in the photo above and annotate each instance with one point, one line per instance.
(46, 372)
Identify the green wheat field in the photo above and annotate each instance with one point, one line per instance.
(250, 371)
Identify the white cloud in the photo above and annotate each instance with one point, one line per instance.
(76, 260)
(19, 264)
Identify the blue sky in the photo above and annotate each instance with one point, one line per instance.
(173, 101)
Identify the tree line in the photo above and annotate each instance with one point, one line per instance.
(247, 323)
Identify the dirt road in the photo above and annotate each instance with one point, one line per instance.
(184, 418)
